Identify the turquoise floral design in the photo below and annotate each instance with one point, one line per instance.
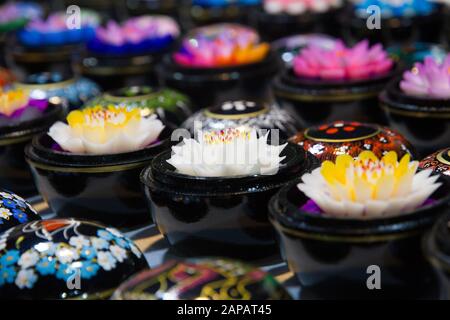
(88, 255)
(10, 258)
(46, 266)
(14, 208)
(7, 275)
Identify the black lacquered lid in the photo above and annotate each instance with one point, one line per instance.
(205, 279)
(163, 174)
(65, 258)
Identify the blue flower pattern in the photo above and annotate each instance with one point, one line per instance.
(90, 259)
(17, 206)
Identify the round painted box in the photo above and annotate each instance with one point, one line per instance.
(439, 162)
(65, 259)
(241, 113)
(205, 279)
(75, 91)
(328, 141)
(171, 106)
(14, 210)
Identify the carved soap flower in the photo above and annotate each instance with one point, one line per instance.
(111, 130)
(15, 104)
(428, 79)
(145, 33)
(295, 7)
(342, 63)
(395, 8)
(56, 30)
(221, 45)
(368, 187)
(229, 152)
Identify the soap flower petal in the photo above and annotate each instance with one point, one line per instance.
(229, 152)
(368, 187)
(341, 62)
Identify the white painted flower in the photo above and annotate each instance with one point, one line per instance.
(135, 250)
(367, 187)
(229, 152)
(110, 130)
(67, 254)
(115, 232)
(28, 259)
(106, 260)
(119, 253)
(99, 243)
(5, 213)
(6, 195)
(26, 278)
(79, 242)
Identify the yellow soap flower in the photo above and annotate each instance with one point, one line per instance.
(13, 100)
(368, 186)
(106, 130)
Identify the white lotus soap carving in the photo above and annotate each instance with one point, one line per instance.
(98, 130)
(227, 153)
(367, 187)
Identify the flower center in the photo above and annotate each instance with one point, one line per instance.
(226, 136)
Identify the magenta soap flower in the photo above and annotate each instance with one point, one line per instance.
(429, 79)
(343, 63)
(136, 30)
(221, 45)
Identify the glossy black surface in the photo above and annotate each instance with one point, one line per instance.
(65, 259)
(205, 216)
(424, 122)
(276, 26)
(211, 86)
(395, 30)
(114, 72)
(436, 246)
(331, 256)
(317, 102)
(236, 13)
(104, 188)
(47, 59)
(233, 114)
(15, 174)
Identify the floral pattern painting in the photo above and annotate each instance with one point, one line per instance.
(14, 210)
(55, 250)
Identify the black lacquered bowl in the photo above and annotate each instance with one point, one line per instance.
(203, 216)
(276, 26)
(424, 122)
(46, 59)
(117, 71)
(200, 15)
(15, 174)
(212, 86)
(317, 102)
(326, 252)
(436, 246)
(104, 188)
(65, 259)
(394, 30)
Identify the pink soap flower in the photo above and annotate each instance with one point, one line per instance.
(428, 79)
(296, 7)
(342, 63)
